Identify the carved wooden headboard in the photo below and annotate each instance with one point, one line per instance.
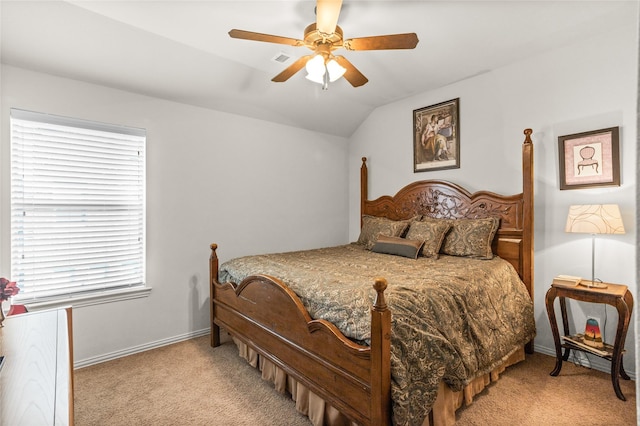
(442, 199)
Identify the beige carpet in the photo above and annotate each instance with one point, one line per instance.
(190, 383)
(527, 395)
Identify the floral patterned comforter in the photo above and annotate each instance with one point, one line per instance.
(453, 318)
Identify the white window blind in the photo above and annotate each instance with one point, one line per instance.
(77, 206)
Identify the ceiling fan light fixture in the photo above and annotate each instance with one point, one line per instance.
(322, 71)
(335, 70)
(316, 78)
(315, 68)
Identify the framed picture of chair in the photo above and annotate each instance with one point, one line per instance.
(590, 159)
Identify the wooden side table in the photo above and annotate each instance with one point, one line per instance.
(615, 295)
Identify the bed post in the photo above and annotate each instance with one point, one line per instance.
(527, 237)
(380, 357)
(213, 278)
(364, 193)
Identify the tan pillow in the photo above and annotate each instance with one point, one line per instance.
(373, 226)
(397, 246)
(432, 232)
(471, 237)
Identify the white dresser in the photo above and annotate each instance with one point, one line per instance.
(36, 378)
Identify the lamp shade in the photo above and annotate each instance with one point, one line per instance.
(595, 219)
(315, 68)
(335, 70)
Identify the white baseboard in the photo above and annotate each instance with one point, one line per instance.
(140, 348)
(585, 360)
(580, 358)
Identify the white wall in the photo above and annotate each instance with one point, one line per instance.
(251, 186)
(587, 86)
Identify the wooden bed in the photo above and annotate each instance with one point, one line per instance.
(268, 317)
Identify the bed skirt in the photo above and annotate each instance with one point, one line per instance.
(322, 414)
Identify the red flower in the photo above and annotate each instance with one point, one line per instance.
(7, 289)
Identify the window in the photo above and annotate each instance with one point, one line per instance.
(77, 209)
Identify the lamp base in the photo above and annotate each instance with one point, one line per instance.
(593, 284)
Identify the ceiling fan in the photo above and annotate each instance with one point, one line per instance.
(323, 37)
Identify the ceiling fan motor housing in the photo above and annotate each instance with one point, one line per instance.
(314, 38)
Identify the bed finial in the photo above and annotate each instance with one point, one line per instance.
(380, 286)
(527, 133)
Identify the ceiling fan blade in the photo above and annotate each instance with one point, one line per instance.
(292, 69)
(327, 12)
(392, 41)
(352, 75)
(248, 35)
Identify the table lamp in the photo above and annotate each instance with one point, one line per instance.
(594, 219)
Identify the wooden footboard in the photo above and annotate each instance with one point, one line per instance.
(266, 315)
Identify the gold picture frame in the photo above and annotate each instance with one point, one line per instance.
(590, 159)
(436, 137)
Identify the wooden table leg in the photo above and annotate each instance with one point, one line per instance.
(551, 313)
(565, 325)
(628, 300)
(617, 369)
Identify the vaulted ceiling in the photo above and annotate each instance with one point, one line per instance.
(181, 50)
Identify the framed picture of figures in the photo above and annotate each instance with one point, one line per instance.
(436, 137)
(590, 159)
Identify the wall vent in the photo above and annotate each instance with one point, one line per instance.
(281, 57)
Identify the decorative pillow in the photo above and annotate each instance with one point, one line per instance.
(397, 246)
(432, 232)
(471, 237)
(373, 226)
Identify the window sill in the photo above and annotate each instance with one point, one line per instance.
(82, 300)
